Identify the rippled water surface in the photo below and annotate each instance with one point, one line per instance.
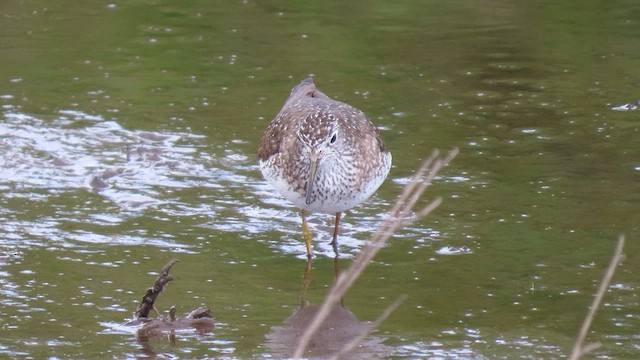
(128, 137)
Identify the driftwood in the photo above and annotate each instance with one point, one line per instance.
(200, 319)
(152, 293)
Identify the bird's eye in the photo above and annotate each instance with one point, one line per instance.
(333, 138)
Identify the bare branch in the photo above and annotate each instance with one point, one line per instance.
(579, 348)
(146, 305)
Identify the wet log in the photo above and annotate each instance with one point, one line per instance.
(152, 293)
(200, 319)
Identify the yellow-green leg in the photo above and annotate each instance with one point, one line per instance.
(307, 235)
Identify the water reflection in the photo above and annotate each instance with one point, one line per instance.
(200, 325)
(149, 330)
(48, 163)
(338, 330)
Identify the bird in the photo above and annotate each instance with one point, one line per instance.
(322, 155)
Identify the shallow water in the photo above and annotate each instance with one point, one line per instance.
(128, 136)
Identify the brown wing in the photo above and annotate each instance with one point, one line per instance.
(271, 140)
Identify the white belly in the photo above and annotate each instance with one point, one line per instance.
(336, 195)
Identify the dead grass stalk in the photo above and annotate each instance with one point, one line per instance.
(400, 215)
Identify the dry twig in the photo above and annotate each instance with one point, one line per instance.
(579, 349)
(396, 219)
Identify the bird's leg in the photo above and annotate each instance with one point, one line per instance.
(307, 235)
(334, 242)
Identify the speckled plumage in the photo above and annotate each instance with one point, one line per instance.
(322, 155)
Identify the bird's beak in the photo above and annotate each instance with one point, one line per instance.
(311, 179)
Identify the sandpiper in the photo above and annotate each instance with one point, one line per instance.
(322, 155)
